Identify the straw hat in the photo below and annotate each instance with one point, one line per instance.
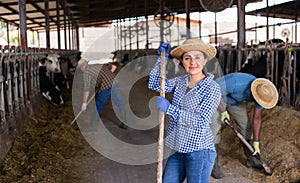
(194, 45)
(81, 62)
(264, 92)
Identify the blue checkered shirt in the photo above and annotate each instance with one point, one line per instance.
(190, 112)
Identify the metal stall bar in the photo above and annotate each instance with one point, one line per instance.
(2, 82)
(14, 78)
(65, 25)
(294, 76)
(241, 31)
(7, 77)
(20, 70)
(30, 58)
(58, 24)
(188, 20)
(47, 24)
(147, 25)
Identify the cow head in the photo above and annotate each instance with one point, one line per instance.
(52, 63)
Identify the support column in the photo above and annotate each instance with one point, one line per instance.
(47, 24)
(69, 31)
(23, 41)
(200, 26)
(147, 25)
(216, 30)
(137, 32)
(161, 27)
(267, 13)
(241, 32)
(188, 20)
(7, 33)
(23, 27)
(65, 25)
(296, 18)
(58, 24)
(77, 37)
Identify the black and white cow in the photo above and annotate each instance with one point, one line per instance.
(58, 70)
(61, 79)
(258, 58)
(284, 72)
(49, 70)
(48, 90)
(255, 66)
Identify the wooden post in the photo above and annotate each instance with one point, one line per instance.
(161, 120)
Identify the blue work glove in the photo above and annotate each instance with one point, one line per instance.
(162, 47)
(162, 104)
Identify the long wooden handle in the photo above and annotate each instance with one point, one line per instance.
(161, 120)
(240, 136)
(80, 112)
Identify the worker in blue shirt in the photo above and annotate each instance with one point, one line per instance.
(196, 97)
(237, 89)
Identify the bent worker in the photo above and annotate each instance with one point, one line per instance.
(238, 89)
(102, 77)
(196, 97)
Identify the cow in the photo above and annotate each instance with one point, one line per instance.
(52, 63)
(282, 68)
(62, 79)
(58, 70)
(255, 66)
(260, 56)
(47, 89)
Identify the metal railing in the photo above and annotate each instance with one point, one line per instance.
(282, 68)
(19, 76)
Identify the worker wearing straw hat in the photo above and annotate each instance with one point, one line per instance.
(196, 97)
(238, 89)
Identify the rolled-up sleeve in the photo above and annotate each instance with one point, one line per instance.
(154, 80)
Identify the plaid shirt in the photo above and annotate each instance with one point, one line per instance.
(98, 75)
(190, 112)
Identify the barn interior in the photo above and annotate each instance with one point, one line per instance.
(43, 142)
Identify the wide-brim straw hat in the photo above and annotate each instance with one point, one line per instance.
(264, 92)
(194, 45)
(81, 62)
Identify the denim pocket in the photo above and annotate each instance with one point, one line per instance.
(211, 156)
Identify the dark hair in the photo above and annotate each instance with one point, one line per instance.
(204, 54)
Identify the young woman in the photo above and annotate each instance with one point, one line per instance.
(196, 97)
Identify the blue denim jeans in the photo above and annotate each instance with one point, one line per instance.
(104, 95)
(195, 166)
(102, 99)
(116, 96)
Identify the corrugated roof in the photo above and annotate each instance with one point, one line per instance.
(288, 10)
(86, 13)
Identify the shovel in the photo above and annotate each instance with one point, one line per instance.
(257, 155)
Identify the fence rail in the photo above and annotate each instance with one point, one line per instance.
(19, 76)
(282, 67)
